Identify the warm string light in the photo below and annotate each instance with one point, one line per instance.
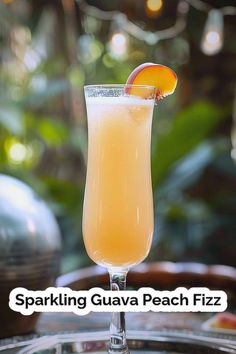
(212, 39)
(153, 7)
(118, 45)
(132, 29)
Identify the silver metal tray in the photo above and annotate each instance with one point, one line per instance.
(159, 342)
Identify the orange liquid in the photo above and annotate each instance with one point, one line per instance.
(118, 203)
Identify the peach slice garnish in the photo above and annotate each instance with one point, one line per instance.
(161, 77)
(224, 320)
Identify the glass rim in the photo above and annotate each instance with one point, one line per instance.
(114, 86)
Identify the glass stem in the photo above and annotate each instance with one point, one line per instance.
(118, 342)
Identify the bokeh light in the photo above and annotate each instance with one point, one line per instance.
(153, 7)
(212, 39)
(31, 59)
(212, 43)
(18, 152)
(118, 45)
(89, 49)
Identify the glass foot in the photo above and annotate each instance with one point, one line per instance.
(119, 350)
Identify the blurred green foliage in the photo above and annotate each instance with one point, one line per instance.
(191, 125)
(43, 139)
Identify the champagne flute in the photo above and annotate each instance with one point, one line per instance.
(118, 216)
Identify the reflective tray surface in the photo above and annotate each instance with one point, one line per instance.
(159, 342)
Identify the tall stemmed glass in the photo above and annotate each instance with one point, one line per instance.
(118, 202)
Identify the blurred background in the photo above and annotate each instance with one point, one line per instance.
(50, 49)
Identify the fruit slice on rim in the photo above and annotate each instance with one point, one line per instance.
(224, 320)
(161, 77)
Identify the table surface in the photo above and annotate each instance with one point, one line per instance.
(63, 322)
